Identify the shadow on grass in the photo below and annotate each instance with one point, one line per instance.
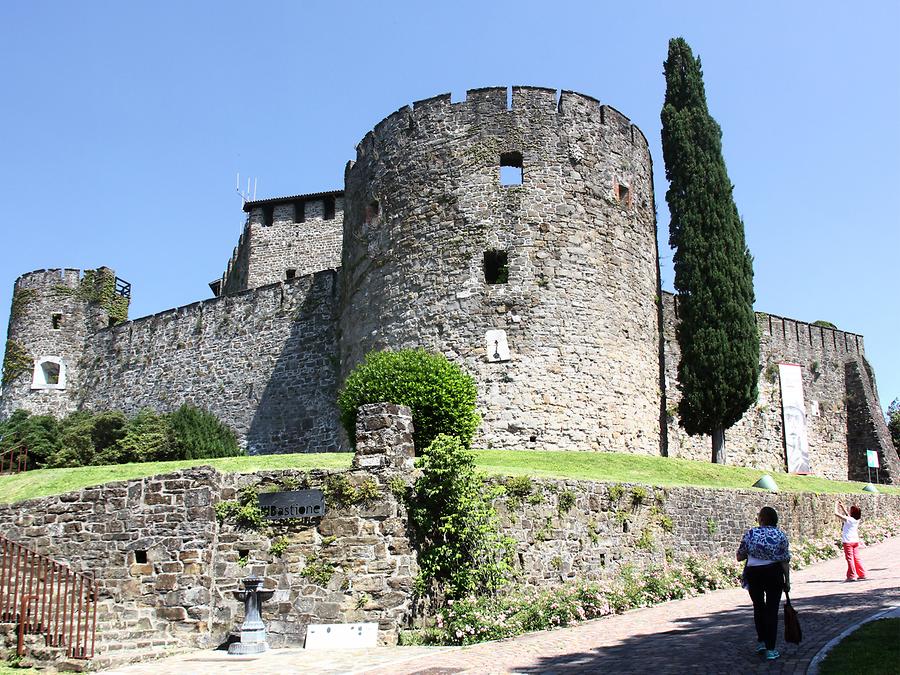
(723, 642)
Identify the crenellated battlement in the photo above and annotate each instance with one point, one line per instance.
(536, 104)
(50, 278)
(789, 332)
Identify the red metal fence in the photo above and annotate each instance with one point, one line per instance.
(14, 460)
(45, 597)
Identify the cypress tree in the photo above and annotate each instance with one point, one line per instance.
(717, 332)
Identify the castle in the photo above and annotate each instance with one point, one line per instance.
(514, 234)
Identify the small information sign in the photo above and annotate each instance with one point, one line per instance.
(872, 456)
(295, 504)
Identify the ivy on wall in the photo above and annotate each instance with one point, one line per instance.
(99, 286)
(21, 298)
(15, 362)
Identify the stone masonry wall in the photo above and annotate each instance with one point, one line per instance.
(181, 597)
(37, 297)
(568, 530)
(356, 563)
(265, 252)
(425, 203)
(757, 440)
(263, 361)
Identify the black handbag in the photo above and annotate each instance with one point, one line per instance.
(792, 631)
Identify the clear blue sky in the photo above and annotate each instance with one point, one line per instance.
(123, 124)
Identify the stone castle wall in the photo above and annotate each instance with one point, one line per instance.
(425, 203)
(181, 596)
(757, 440)
(592, 356)
(263, 361)
(37, 298)
(265, 253)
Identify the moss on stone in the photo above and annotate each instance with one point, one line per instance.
(15, 361)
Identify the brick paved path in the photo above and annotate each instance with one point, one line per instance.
(712, 633)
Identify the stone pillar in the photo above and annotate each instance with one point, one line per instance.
(384, 437)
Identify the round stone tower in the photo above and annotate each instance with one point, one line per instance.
(53, 311)
(518, 239)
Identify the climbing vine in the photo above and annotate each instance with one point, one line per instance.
(99, 286)
(15, 361)
(21, 298)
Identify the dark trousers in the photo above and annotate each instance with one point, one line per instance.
(765, 583)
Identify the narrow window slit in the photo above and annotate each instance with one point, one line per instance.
(328, 208)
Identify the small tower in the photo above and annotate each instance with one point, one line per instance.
(53, 312)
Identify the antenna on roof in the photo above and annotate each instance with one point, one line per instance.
(246, 195)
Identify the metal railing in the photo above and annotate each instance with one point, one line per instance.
(123, 288)
(43, 596)
(14, 460)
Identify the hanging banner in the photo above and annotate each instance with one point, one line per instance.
(793, 410)
(872, 459)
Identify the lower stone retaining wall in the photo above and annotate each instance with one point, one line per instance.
(357, 563)
(166, 566)
(567, 530)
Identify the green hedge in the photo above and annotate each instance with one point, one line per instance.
(85, 439)
(439, 394)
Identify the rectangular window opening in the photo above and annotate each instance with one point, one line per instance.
(290, 274)
(57, 321)
(51, 372)
(140, 557)
(511, 168)
(299, 212)
(268, 215)
(623, 194)
(496, 267)
(243, 553)
(328, 208)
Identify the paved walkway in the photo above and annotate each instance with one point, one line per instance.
(712, 633)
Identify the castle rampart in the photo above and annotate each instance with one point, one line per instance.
(53, 312)
(515, 233)
(757, 440)
(285, 238)
(262, 360)
(427, 216)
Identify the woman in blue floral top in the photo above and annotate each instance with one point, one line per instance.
(768, 572)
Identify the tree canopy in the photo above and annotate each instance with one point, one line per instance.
(717, 333)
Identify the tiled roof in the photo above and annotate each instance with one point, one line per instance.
(292, 198)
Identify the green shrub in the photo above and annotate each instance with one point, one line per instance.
(461, 550)
(439, 394)
(517, 489)
(317, 571)
(84, 438)
(566, 501)
(38, 433)
(146, 439)
(638, 495)
(198, 434)
(279, 546)
(615, 492)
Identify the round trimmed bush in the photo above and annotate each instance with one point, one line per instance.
(439, 394)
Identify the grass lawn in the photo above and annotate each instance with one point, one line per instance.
(873, 649)
(606, 466)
